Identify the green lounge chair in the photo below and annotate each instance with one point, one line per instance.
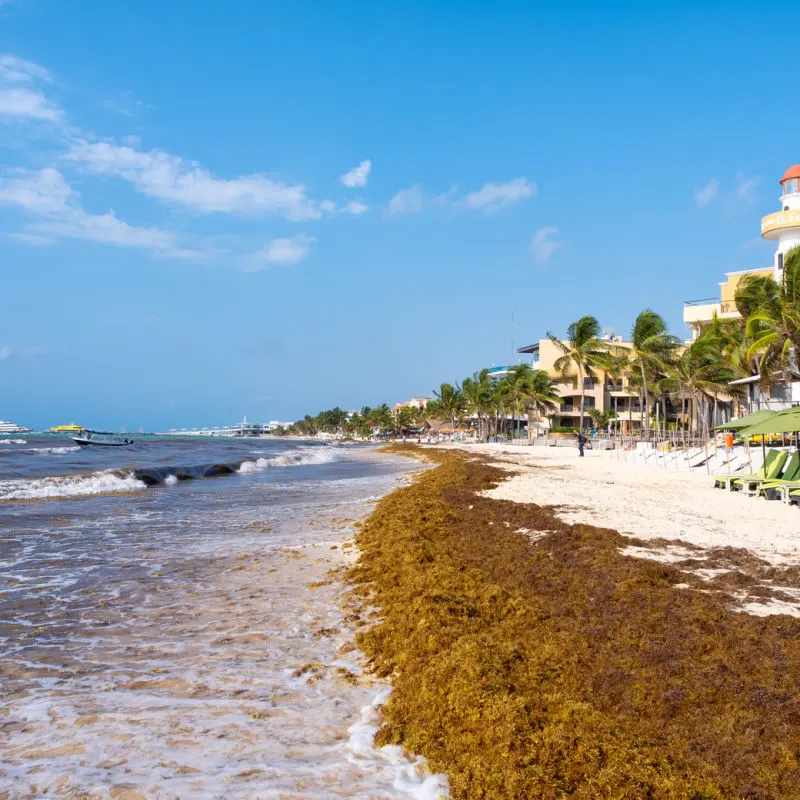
(766, 472)
(769, 488)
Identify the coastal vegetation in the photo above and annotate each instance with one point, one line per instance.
(682, 385)
(530, 658)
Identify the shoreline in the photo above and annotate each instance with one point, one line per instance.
(534, 657)
(224, 664)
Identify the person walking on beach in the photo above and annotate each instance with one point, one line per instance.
(581, 443)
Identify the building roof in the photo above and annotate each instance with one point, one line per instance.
(531, 348)
(792, 172)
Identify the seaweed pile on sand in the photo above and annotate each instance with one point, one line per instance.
(531, 659)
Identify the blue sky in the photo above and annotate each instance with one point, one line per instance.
(216, 209)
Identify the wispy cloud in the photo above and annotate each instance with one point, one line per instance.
(19, 97)
(489, 198)
(494, 196)
(745, 188)
(543, 244)
(356, 208)
(17, 70)
(46, 194)
(172, 179)
(25, 352)
(44, 191)
(357, 176)
(279, 252)
(29, 104)
(407, 201)
(704, 195)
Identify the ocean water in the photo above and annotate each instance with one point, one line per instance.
(170, 626)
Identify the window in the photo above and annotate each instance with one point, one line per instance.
(780, 260)
(792, 186)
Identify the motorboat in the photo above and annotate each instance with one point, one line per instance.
(89, 438)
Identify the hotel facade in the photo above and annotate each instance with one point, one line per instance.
(782, 227)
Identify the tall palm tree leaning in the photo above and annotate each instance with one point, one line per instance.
(652, 351)
(774, 326)
(583, 349)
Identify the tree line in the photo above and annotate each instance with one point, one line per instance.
(661, 370)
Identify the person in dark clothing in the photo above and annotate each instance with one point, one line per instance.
(581, 443)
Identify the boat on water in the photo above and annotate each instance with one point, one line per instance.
(71, 428)
(90, 438)
(10, 427)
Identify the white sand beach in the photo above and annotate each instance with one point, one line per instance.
(645, 502)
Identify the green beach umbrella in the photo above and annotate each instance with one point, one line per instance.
(781, 422)
(745, 422)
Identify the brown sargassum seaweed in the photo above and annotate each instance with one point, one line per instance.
(557, 667)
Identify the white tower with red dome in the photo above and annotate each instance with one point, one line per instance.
(784, 226)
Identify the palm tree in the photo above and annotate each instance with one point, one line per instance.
(540, 396)
(478, 395)
(601, 418)
(514, 389)
(652, 351)
(450, 402)
(701, 373)
(583, 349)
(774, 324)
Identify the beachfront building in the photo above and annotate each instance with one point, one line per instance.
(782, 227)
(416, 403)
(601, 391)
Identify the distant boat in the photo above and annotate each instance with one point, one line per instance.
(88, 438)
(10, 427)
(71, 428)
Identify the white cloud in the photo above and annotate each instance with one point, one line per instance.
(26, 352)
(279, 252)
(407, 201)
(357, 176)
(172, 179)
(494, 196)
(356, 208)
(44, 191)
(745, 188)
(328, 206)
(543, 245)
(108, 229)
(17, 102)
(46, 194)
(17, 70)
(707, 193)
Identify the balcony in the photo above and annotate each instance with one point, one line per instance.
(773, 224)
(705, 310)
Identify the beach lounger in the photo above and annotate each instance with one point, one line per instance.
(768, 471)
(768, 487)
(788, 492)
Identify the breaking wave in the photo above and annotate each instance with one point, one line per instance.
(70, 485)
(131, 480)
(13, 441)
